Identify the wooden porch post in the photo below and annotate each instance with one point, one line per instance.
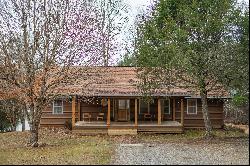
(136, 120)
(79, 110)
(108, 115)
(159, 111)
(173, 109)
(73, 111)
(182, 112)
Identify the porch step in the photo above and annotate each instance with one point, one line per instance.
(122, 131)
(170, 129)
(89, 131)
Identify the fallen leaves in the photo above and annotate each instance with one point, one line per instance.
(56, 146)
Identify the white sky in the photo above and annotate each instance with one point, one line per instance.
(135, 7)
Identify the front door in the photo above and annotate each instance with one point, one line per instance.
(123, 110)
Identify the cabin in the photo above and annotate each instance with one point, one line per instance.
(107, 100)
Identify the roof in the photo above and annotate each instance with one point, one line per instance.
(121, 81)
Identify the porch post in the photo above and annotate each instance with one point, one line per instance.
(173, 109)
(73, 111)
(159, 111)
(182, 112)
(108, 115)
(79, 110)
(136, 120)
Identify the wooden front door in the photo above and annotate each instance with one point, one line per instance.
(122, 115)
(123, 110)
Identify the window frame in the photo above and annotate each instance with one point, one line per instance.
(168, 107)
(57, 106)
(189, 113)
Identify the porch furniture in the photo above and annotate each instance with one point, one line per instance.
(100, 116)
(86, 116)
(147, 116)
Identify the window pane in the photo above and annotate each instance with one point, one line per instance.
(122, 104)
(127, 104)
(166, 107)
(191, 110)
(143, 107)
(166, 110)
(58, 103)
(104, 102)
(192, 102)
(166, 103)
(58, 110)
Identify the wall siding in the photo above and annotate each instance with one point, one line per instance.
(215, 108)
(56, 120)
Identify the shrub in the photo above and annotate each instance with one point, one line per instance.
(5, 124)
(68, 124)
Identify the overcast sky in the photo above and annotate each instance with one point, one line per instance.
(137, 6)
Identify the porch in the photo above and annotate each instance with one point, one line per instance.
(100, 127)
(115, 122)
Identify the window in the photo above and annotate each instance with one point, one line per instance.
(191, 106)
(104, 102)
(123, 104)
(166, 106)
(58, 107)
(144, 107)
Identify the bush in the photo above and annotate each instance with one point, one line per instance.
(236, 114)
(68, 124)
(239, 100)
(5, 124)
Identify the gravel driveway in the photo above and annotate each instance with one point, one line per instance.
(233, 152)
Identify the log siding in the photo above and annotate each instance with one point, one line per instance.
(215, 107)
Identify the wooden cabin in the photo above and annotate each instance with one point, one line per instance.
(112, 103)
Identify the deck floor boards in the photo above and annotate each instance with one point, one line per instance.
(149, 126)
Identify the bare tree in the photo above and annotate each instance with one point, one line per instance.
(39, 41)
(113, 16)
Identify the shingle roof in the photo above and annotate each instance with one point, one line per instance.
(121, 81)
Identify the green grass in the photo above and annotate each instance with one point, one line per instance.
(58, 149)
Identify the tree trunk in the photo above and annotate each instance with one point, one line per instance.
(35, 121)
(23, 124)
(34, 136)
(22, 118)
(206, 114)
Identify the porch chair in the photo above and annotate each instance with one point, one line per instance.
(100, 116)
(147, 116)
(86, 116)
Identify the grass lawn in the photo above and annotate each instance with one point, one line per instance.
(194, 135)
(60, 148)
(65, 148)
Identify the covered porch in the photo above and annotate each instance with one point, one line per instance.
(98, 127)
(120, 117)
